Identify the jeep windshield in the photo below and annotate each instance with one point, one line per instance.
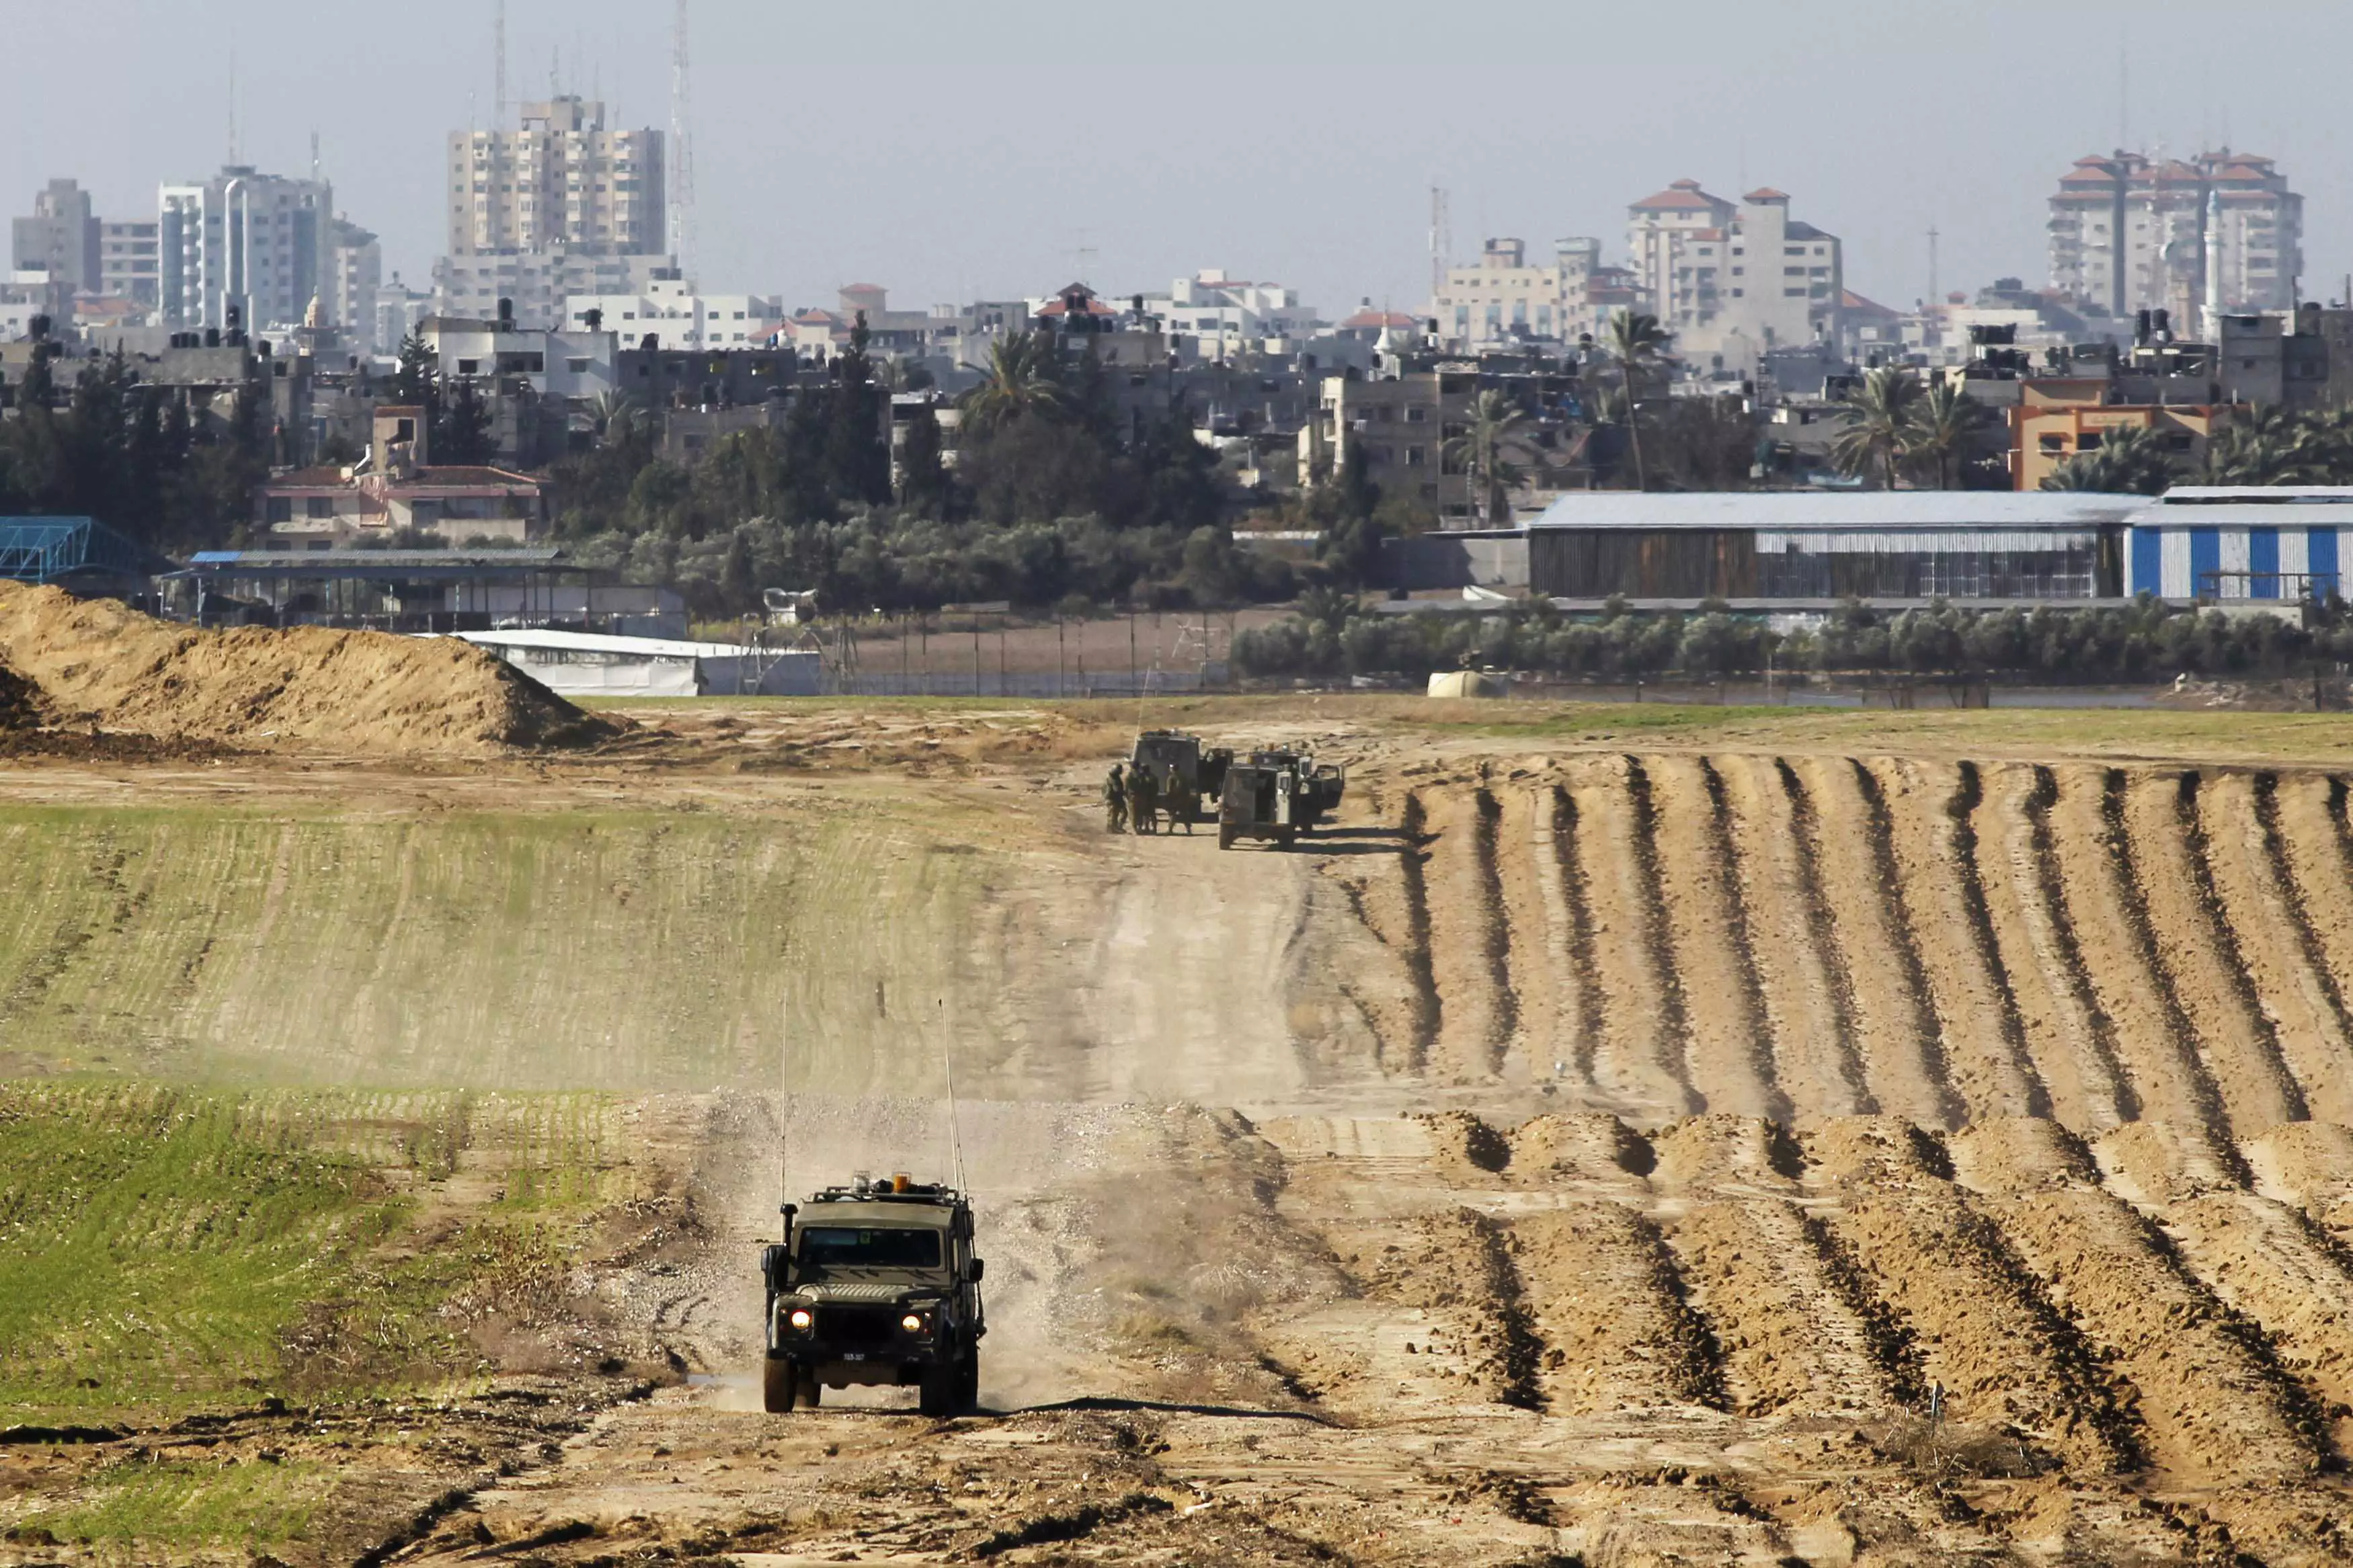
(869, 1246)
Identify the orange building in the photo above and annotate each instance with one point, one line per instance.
(2056, 418)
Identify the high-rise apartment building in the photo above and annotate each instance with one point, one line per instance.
(1732, 280)
(2129, 233)
(61, 239)
(257, 242)
(355, 271)
(546, 210)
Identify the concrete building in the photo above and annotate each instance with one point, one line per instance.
(61, 239)
(128, 262)
(1734, 281)
(559, 206)
(1817, 548)
(2057, 417)
(397, 489)
(2242, 542)
(1402, 424)
(1504, 300)
(257, 244)
(399, 310)
(1213, 316)
(354, 273)
(2131, 233)
(674, 312)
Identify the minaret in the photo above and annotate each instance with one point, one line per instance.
(2211, 328)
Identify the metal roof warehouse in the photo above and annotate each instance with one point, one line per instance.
(1832, 544)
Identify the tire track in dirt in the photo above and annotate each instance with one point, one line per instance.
(1496, 906)
(2259, 896)
(2041, 882)
(1902, 1050)
(1744, 874)
(1428, 1010)
(2227, 1028)
(1468, 949)
(1696, 890)
(1926, 810)
(2290, 1278)
(2102, 895)
(1639, 1053)
(1569, 908)
(1967, 799)
(2214, 1408)
(1840, 1031)
(2055, 1028)
(1614, 1314)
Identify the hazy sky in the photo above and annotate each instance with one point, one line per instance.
(996, 148)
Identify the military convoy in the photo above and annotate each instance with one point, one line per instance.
(1278, 794)
(879, 1285)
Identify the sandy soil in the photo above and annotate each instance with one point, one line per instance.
(1588, 1150)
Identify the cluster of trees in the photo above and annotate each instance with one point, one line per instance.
(2265, 446)
(1336, 634)
(1050, 500)
(1894, 425)
(132, 455)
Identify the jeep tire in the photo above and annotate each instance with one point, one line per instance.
(779, 1383)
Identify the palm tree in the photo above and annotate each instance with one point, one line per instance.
(1480, 450)
(1019, 381)
(2129, 460)
(1941, 428)
(2268, 446)
(616, 414)
(1879, 418)
(1637, 345)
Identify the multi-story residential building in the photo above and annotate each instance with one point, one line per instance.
(399, 310)
(559, 206)
(257, 243)
(678, 315)
(61, 239)
(1402, 424)
(1503, 300)
(1734, 281)
(129, 267)
(355, 272)
(2131, 233)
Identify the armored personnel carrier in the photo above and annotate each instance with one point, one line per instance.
(875, 1282)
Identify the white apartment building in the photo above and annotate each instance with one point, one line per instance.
(560, 206)
(673, 311)
(573, 367)
(1503, 300)
(355, 272)
(1224, 315)
(399, 310)
(561, 180)
(2130, 232)
(256, 242)
(1733, 281)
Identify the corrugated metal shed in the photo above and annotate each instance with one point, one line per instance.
(1849, 510)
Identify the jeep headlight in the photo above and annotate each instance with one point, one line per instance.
(913, 1323)
(800, 1318)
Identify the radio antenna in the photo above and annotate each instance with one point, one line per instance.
(785, 1106)
(955, 1126)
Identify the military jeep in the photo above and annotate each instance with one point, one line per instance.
(1173, 758)
(1277, 794)
(875, 1283)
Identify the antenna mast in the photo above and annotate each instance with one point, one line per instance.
(499, 67)
(681, 150)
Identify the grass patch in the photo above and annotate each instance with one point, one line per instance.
(181, 1504)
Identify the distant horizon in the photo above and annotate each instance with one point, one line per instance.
(1000, 151)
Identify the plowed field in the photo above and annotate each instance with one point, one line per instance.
(1620, 1140)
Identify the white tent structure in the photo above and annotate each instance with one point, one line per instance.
(588, 664)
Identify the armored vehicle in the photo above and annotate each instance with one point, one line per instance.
(1173, 758)
(875, 1283)
(1276, 794)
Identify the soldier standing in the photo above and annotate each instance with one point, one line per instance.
(1140, 798)
(1184, 804)
(1114, 792)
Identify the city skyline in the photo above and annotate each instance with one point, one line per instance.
(991, 172)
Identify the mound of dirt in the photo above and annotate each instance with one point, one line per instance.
(306, 686)
(23, 704)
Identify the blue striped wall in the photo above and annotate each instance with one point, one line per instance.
(2263, 562)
